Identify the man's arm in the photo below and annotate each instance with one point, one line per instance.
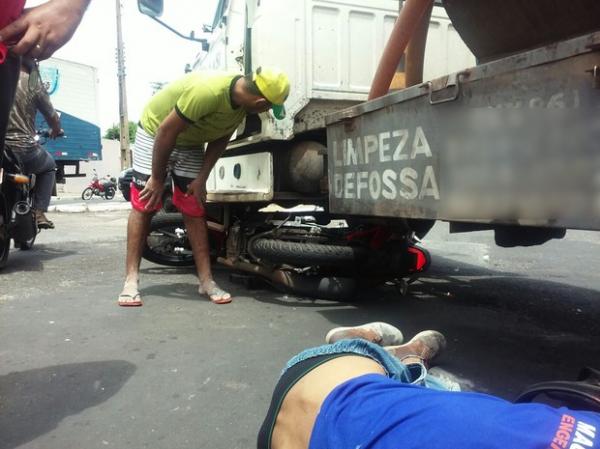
(44, 105)
(43, 29)
(214, 150)
(164, 142)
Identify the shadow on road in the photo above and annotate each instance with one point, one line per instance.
(34, 259)
(534, 329)
(34, 402)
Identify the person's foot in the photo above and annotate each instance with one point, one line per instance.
(425, 346)
(215, 293)
(383, 334)
(130, 296)
(42, 221)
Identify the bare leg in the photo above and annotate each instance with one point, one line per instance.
(138, 228)
(198, 235)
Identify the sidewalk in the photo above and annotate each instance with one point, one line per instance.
(72, 203)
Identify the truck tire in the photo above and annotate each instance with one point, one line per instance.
(305, 254)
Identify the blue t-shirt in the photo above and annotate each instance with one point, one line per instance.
(374, 412)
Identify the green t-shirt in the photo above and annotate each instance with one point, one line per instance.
(203, 99)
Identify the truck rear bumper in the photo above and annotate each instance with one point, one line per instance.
(514, 141)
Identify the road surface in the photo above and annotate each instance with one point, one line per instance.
(78, 371)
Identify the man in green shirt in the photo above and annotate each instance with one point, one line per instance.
(202, 108)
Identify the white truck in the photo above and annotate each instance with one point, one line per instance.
(330, 50)
(73, 89)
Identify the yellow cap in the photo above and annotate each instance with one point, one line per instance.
(274, 85)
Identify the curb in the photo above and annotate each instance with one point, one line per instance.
(83, 207)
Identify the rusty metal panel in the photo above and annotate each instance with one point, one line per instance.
(514, 141)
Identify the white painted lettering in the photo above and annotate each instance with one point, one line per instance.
(352, 153)
(375, 185)
(338, 185)
(389, 184)
(420, 144)
(349, 185)
(409, 189)
(429, 186)
(384, 147)
(403, 135)
(370, 147)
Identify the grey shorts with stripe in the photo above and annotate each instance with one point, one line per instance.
(183, 162)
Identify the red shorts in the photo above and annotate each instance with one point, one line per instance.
(186, 204)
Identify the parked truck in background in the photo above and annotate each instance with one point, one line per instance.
(73, 90)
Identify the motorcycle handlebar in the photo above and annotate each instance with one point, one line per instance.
(46, 133)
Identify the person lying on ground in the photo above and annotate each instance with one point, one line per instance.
(367, 390)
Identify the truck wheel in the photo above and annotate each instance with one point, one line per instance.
(305, 254)
(87, 194)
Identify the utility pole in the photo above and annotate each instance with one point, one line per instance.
(123, 119)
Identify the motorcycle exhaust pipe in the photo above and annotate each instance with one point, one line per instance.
(23, 222)
(327, 287)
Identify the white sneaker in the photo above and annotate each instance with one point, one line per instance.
(383, 334)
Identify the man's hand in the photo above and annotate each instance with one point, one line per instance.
(197, 188)
(152, 193)
(42, 30)
(56, 132)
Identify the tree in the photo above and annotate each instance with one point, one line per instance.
(114, 133)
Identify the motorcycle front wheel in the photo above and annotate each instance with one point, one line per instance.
(87, 194)
(167, 243)
(27, 245)
(4, 236)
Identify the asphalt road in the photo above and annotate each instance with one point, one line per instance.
(78, 371)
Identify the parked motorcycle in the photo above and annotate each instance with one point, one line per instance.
(104, 188)
(17, 217)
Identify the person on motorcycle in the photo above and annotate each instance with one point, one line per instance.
(365, 389)
(202, 108)
(31, 97)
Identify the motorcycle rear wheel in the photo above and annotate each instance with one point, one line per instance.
(109, 194)
(87, 194)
